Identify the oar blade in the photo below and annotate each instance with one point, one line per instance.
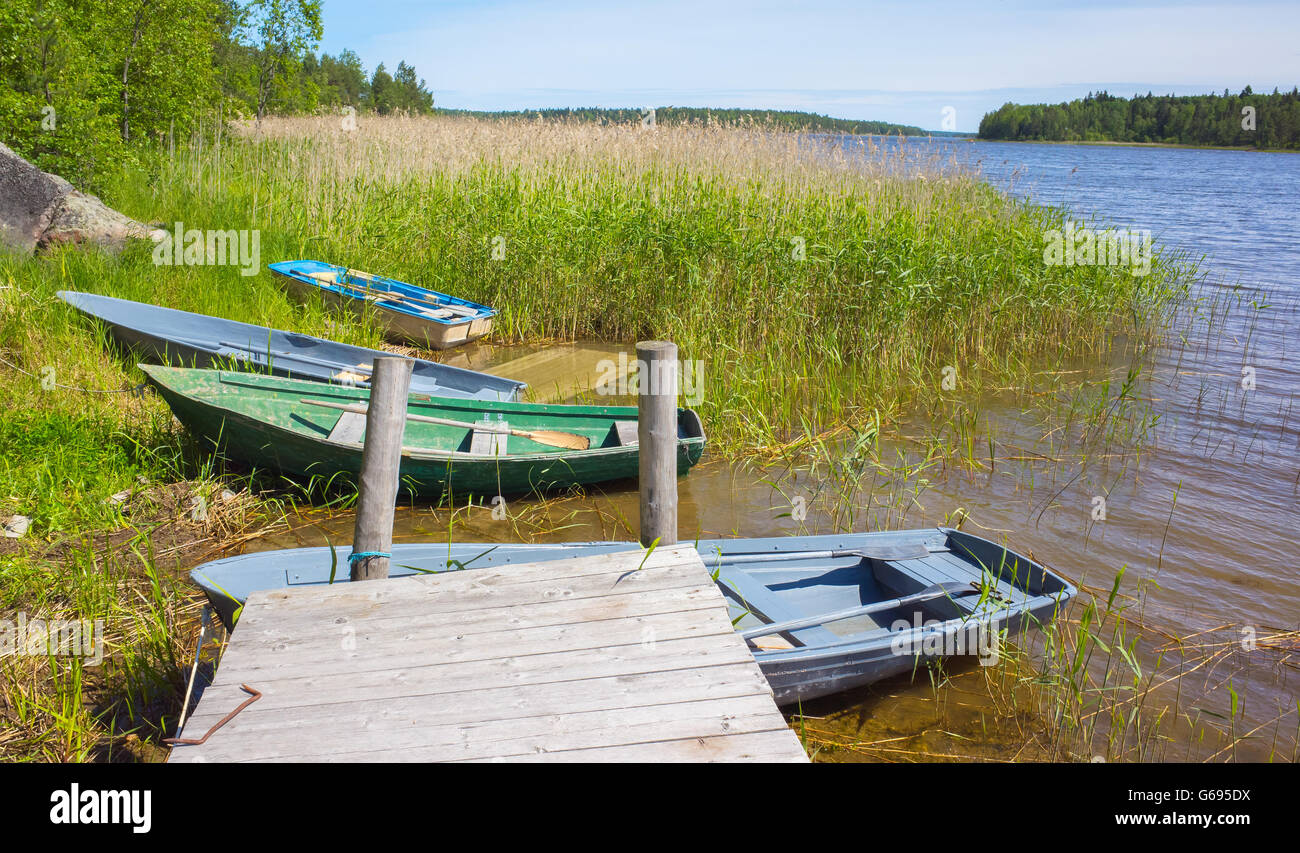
(892, 553)
(567, 440)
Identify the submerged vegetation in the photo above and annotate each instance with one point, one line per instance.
(831, 292)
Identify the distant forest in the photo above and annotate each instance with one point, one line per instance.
(779, 119)
(1246, 120)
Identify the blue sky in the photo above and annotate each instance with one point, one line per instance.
(894, 61)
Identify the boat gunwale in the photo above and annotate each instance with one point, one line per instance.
(212, 348)
(483, 312)
(250, 421)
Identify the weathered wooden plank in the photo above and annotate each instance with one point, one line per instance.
(591, 659)
(438, 644)
(431, 678)
(532, 734)
(767, 746)
(339, 720)
(393, 682)
(417, 600)
(358, 653)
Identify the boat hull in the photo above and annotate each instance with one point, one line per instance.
(398, 326)
(184, 339)
(818, 662)
(247, 433)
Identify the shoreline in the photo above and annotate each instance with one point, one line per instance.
(1107, 142)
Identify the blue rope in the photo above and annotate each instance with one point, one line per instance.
(361, 555)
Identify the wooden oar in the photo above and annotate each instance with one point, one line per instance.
(950, 589)
(568, 440)
(416, 302)
(884, 553)
(375, 295)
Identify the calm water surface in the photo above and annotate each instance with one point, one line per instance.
(1206, 507)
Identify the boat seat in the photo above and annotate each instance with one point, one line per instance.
(945, 567)
(622, 434)
(488, 443)
(349, 428)
(753, 594)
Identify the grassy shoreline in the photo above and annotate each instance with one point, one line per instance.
(825, 292)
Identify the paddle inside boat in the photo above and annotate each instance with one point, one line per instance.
(471, 447)
(821, 614)
(409, 314)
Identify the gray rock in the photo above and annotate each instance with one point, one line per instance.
(16, 526)
(39, 211)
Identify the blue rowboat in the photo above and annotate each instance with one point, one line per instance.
(183, 339)
(410, 314)
(821, 614)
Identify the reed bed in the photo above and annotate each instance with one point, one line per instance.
(815, 280)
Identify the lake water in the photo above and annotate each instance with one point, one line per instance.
(1203, 512)
(1228, 441)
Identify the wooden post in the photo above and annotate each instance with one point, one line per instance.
(381, 458)
(657, 440)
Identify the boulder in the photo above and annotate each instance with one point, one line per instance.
(39, 210)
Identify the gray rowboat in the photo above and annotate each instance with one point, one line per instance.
(821, 614)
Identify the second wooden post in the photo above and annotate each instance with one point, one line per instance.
(657, 440)
(381, 459)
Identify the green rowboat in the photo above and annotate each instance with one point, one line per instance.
(311, 430)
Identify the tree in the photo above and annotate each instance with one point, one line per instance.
(160, 53)
(54, 88)
(383, 96)
(411, 96)
(345, 79)
(1194, 120)
(281, 32)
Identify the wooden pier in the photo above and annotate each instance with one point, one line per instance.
(611, 658)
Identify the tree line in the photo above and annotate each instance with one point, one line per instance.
(791, 120)
(86, 83)
(1246, 119)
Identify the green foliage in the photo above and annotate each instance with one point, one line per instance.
(341, 80)
(85, 85)
(1221, 120)
(776, 119)
(280, 32)
(159, 53)
(55, 96)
